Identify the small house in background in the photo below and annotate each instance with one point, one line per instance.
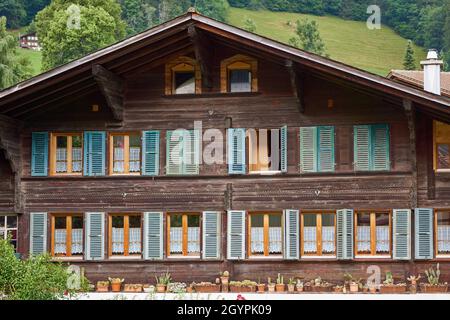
(29, 41)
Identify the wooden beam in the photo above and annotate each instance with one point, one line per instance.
(296, 84)
(411, 118)
(203, 54)
(112, 88)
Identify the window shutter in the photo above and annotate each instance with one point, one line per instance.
(402, 234)
(291, 246)
(361, 143)
(38, 233)
(191, 148)
(423, 220)
(150, 153)
(236, 235)
(211, 235)
(95, 238)
(94, 153)
(326, 149)
(380, 147)
(283, 149)
(308, 149)
(174, 156)
(236, 151)
(344, 230)
(153, 235)
(39, 154)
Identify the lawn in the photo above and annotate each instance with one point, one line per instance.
(350, 42)
(34, 57)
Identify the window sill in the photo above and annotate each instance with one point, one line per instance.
(211, 94)
(305, 258)
(442, 171)
(125, 258)
(64, 259)
(265, 173)
(184, 257)
(443, 256)
(255, 258)
(367, 257)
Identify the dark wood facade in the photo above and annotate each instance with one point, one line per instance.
(143, 105)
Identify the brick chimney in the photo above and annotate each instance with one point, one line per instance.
(432, 72)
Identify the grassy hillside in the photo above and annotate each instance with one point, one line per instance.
(350, 42)
(34, 56)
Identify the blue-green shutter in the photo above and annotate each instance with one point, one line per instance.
(283, 149)
(401, 222)
(39, 154)
(236, 151)
(211, 235)
(326, 149)
(423, 224)
(380, 157)
(344, 232)
(308, 149)
(362, 147)
(150, 153)
(174, 153)
(94, 153)
(236, 235)
(38, 233)
(191, 152)
(153, 236)
(95, 237)
(292, 234)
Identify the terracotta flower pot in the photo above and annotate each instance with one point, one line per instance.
(261, 288)
(291, 288)
(441, 288)
(271, 287)
(116, 286)
(102, 288)
(160, 288)
(299, 288)
(280, 287)
(373, 289)
(354, 287)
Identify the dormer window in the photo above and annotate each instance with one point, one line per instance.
(183, 76)
(239, 74)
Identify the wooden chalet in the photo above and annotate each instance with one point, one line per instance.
(86, 174)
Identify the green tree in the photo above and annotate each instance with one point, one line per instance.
(409, 63)
(13, 69)
(139, 15)
(70, 29)
(216, 9)
(249, 25)
(14, 11)
(308, 37)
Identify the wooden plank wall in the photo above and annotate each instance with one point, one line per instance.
(6, 185)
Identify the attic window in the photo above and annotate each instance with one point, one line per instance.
(183, 77)
(239, 74)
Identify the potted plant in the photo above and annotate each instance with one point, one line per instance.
(102, 286)
(280, 286)
(291, 285)
(389, 286)
(338, 289)
(116, 284)
(176, 287)
(270, 285)
(318, 285)
(372, 288)
(261, 287)
(433, 285)
(148, 288)
(353, 283)
(206, 287)
(162, 281)
(190, 287)
(413, 286)
(243, 286)
(132, 288)
(299, 286)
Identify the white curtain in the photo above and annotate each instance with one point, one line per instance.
(60, 241)
(443, 236)
(363, 244)
(193, 240)
(257, 240)
(275, 240)
(382, 239)
(77, 241)
(117, 240)
(76, 159)
(134, 240)
(310, 240)
(61, 160)
(118, 160)
(135, 159)
(176, 240)
(328, 236)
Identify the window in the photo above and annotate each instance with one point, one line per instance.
(125, 235)
(266, 150)
(318, 232)
(183, 152)
(183, 76)
(125, 153)
(66, 154)
(183, 232)
(373, 233)
(317, 149)
(442, 232)
(265, 234)
(239, 74)
(67, 235)
(372, 148)
(8, 227)
(441, 138)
